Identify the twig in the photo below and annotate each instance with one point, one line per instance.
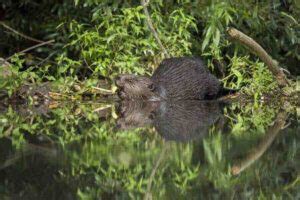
(145, 3)
(59, 96)
(33, 47)
(294, 183)
(20, 34)
(42, 60)
(259, 150)
(261, 53)
(102, 108)
(102, 90)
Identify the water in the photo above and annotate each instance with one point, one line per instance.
(139, 150)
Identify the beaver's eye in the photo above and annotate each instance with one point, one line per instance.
(151, 87)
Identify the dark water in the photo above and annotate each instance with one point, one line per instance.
(140, 150)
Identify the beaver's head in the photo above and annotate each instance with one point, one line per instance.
(133, 87)
(135, 114)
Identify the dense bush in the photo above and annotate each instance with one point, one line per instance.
(95, 39)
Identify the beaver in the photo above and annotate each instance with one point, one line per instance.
(182, 78)
(173, 120)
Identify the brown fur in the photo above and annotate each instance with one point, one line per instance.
(135, 87)
(180, 121)
(181, 78)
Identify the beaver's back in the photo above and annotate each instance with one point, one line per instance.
(185, 78)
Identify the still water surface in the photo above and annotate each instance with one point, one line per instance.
(149, 150)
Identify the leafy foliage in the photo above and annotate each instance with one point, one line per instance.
(94, 40)
(103, 38)
(85, 153)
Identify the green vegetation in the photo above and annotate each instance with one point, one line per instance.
(88, 159)
(70, 148)
(102, 39)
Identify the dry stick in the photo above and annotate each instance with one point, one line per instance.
(42, 60)
(33, 47)
(102, 108)
(102, 90)
(259, 150)
(261, 53)
(20, 34)
(145, 3)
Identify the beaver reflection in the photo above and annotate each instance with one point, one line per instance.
(179, 121)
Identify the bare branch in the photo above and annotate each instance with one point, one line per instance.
(261, 53)
(32, 47)
(145, 3)
(20, 34)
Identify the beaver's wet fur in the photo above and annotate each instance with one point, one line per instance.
(132, 87)
(176, 120)
(183, 78)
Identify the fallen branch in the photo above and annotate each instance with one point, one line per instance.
(145, 3)
(32, 47)
(261, 53)
(20, 34)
